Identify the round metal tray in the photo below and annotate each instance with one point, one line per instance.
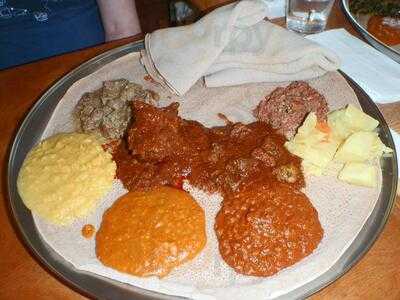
(103, 288)
(385, 49)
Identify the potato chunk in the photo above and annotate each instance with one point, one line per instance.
(348, 137)
(361, 146)
(359, 174)
(316, 147)
(346, 121)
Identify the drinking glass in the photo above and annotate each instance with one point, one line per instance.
(307, 16)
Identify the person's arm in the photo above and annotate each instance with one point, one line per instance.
(119, 18)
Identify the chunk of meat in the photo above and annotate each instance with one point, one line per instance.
(240, 131)
(217, 152)
(286, 108)
(159, 133)
(155, 134)
(271, 147)
(289, 173)
(260, 154)
(237, 171)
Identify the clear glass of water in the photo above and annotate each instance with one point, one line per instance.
(307, 16)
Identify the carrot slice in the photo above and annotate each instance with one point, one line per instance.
(323, 127)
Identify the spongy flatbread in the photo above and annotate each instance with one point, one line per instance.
(342, 209)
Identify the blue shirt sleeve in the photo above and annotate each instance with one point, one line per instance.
(32, 30)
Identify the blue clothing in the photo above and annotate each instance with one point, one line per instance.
(35, 29)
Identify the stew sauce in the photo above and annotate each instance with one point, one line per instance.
(163, 149)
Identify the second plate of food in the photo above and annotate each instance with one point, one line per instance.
(378, 22)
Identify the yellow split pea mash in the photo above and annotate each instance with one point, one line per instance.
(65, 176)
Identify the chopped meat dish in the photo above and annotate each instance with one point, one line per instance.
(164, 149)
(106, 111)
(286, 108)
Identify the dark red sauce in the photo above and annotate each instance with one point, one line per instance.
(164, 149)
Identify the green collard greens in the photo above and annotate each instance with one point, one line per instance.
(386, 8)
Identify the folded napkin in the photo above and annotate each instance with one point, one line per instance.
(233, 45)
(377, 74)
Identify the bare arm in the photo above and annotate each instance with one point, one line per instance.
(119, 18)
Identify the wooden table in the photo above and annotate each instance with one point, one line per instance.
(376, 276)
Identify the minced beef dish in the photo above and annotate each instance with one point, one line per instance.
(107, 111)
(286, 108)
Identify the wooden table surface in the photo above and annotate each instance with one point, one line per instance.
(375, 276)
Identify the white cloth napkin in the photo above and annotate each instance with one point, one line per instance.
(377, 74)
(276, 8)
(233, 45)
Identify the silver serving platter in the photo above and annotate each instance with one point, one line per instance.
(359, 24)
(103, 288)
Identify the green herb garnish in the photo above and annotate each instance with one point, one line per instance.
(385, 8)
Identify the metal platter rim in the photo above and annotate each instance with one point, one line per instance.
(101, 287)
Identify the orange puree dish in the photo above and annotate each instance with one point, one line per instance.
(151, 232)
(383, 29)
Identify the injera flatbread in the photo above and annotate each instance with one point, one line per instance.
(343, 209)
